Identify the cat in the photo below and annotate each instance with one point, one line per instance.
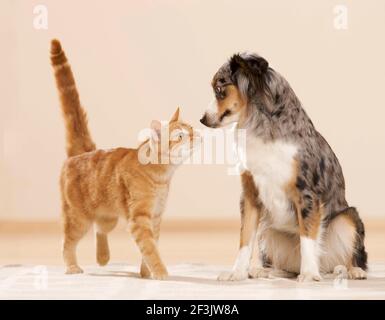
(98, 186)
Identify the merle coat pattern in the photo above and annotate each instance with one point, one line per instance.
(314, 229)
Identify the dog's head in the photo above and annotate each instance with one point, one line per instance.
(237, 83)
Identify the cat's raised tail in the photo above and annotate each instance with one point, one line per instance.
(78, 138)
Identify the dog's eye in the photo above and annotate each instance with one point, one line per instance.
(220, 92)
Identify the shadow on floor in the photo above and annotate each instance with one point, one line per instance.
(196, 280)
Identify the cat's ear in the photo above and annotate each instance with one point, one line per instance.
(156, 126)
(175, 117)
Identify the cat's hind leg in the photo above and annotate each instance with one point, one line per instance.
(76, 225)
(103, 226)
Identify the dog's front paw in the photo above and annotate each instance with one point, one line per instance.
(236, 275)
(308, 277)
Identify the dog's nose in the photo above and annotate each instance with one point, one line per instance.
(204, 120)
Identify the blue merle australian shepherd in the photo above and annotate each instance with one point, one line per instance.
(295, 218)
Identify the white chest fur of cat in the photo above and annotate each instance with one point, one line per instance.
(271, 165)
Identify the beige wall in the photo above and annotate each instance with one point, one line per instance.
(137, 60)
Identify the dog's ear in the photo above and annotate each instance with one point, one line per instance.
(255, 65)
(241, 74)
(248, 74)
(237, 63)
(259, 65)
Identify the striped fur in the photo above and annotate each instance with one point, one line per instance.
(98, 186)
(77, 135)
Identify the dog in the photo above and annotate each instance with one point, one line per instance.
(295, 220)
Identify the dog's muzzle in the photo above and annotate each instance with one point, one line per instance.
(208, 121)
(203, 120)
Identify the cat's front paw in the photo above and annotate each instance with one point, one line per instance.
(160, 274)
(145, 272)
(236, 275)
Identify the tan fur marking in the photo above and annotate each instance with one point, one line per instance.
(312, 222)
(249, 220)
(250, 216)
(232, 101)
(308, 226)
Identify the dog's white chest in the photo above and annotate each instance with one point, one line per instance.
(271, 165)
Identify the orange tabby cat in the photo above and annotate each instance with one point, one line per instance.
(98, 186)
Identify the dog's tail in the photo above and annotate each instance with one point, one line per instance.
(78, 138)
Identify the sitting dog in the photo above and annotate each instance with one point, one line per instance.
(295, 219)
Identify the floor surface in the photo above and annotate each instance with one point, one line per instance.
(186, 281)
(31, 267)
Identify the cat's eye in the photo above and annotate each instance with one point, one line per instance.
(180, 134)
(218, 89)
